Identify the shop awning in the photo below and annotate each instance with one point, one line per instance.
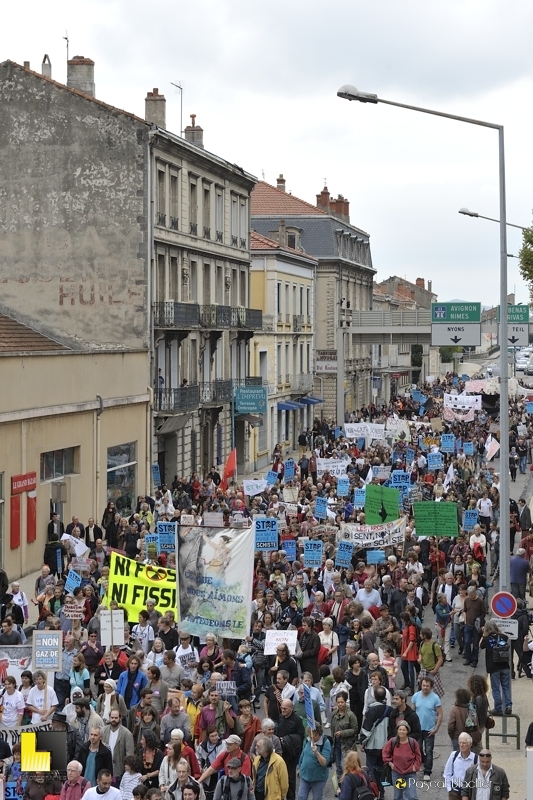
(173, 424)
(290, 405)
(252, 419)
(310, 401)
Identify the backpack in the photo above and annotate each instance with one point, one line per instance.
(362, 792)
(425, 596)
(409, 739)
(471, 721)
(501, 651)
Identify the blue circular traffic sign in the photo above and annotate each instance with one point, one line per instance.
(503, 605)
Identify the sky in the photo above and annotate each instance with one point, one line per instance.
(262, 79)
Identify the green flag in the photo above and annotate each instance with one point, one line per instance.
(381, 504)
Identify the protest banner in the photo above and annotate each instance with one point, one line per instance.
(369, 430)
(409, 456)
(80, 564)
(112, 627)
(166, 531)
(381, 504)
(374, 536)
(313, 554)
(468, 448)
(266, 533)
(343, 487)
(271, 477)
(399, 478)
(462, 402)
(447, 443)
(321, 507)
(73, 611)
(289, 545)
(253, 487)
(335, 466)
(215, 573)
(492, 449)
(289, 469)
(185, 519)
(12, 736)
(435, 461)
(79, 546)
(274, 638)
(344, 554)
(131, 584)
(529, 408)
(14, 659)
(47, 650)
(359, 498)
(375, 556)
(436, 424)
(470, 518)
(382, 473)
(436, 519)
(309, 710)
(151, 538)
(73, 581)
(226, 688)
(213, 519)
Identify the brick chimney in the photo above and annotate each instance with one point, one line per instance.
(80, 74)
(340, 208)
(322, 200)
(281, 183)
(420, 282)
(194, 134)
(155, 109)
(46, 67)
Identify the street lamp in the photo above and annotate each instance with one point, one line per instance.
(469, 213)
(349, 92)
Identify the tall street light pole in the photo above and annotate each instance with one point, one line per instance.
(349, 92)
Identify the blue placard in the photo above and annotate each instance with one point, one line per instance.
(343, 487)
(409, 455)
(421, 411)
(359, 498)
(400, 478)
(458, 444)
(421, 444)
(73, 581)
(156, 475)
(447, 443)
(470, 519)
(289, 545)
(344, 554)
(468, 448)
(435, 461)
(151, 538)
(464, 377)
(312, 554)
(321, 506)
(375, 556)
(59, 561)
(361, 443)
(266, 533)
(289, 469)
(529, 408)
(271, 477)
(309, 710)
(423, 399)
(455, 380)
(338, 432)
(166, 533)
(416, 395)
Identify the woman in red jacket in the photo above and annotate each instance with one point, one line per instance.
(403, 754)
(409, 651)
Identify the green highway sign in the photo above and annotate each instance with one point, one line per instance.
(519, 314)
(455, 312)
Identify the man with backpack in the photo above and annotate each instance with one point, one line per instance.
(374, 736)
(234, 785)
(459, 761)
(498, 665)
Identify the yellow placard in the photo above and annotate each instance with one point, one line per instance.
(132, 584)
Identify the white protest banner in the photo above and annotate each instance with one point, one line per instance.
(335, 466)
(213, 519)
(473, 387)
(187, 519)
(226, 688)
(455, 416)
(392, 533)
(80, 564)
(492, 449)
(14, 659)
(253, 487)
(462, 402)
(73, 611)
(290, 493)
(370, 430)
(275, 638)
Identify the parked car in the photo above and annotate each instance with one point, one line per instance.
(521, 364)
(529, 369)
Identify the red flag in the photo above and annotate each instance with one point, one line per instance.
(230, 469)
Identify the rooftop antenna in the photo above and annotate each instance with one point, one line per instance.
(180, 87)
(65, 37)
(263, 174)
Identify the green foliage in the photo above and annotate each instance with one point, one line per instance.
(526, 259)
(416, 355)
(446, 353)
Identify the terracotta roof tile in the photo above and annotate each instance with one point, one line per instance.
(266, 199)
(18, 338)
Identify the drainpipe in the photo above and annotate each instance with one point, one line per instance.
(96, 426)
(149, 406)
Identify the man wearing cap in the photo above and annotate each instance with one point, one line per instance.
(120, 742)
(187, 656)
(232, 752)
(235, 785)
(519, 574)
(86, 717)
(479, 775)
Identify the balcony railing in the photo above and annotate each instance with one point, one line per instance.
(302, 383)
(176, 315)
(193, 228)
(243, 244)
(254, 319)
(207, 233)
(161, 219)
(297, 322)
(250, 380)
(234, 241)
(186, 398)
(216, 392)
(288, 377)
(287, 317)
(174, 223)
(280, 318)
(224, 317)
(220, 236)
(309, 319)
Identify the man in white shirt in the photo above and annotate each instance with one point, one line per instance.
(457, 764)
(103, 789)
(144, 631)
(421, 463)
(42, 700)
(327, 575)
(368, 596)
(187, 656)
(484, 506)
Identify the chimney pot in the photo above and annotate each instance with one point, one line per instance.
(322, 200)
(420, 282)
(155, 109)
(194, 133)
(46, 66)
(80, 74)
(281, 183)
(26, 65)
